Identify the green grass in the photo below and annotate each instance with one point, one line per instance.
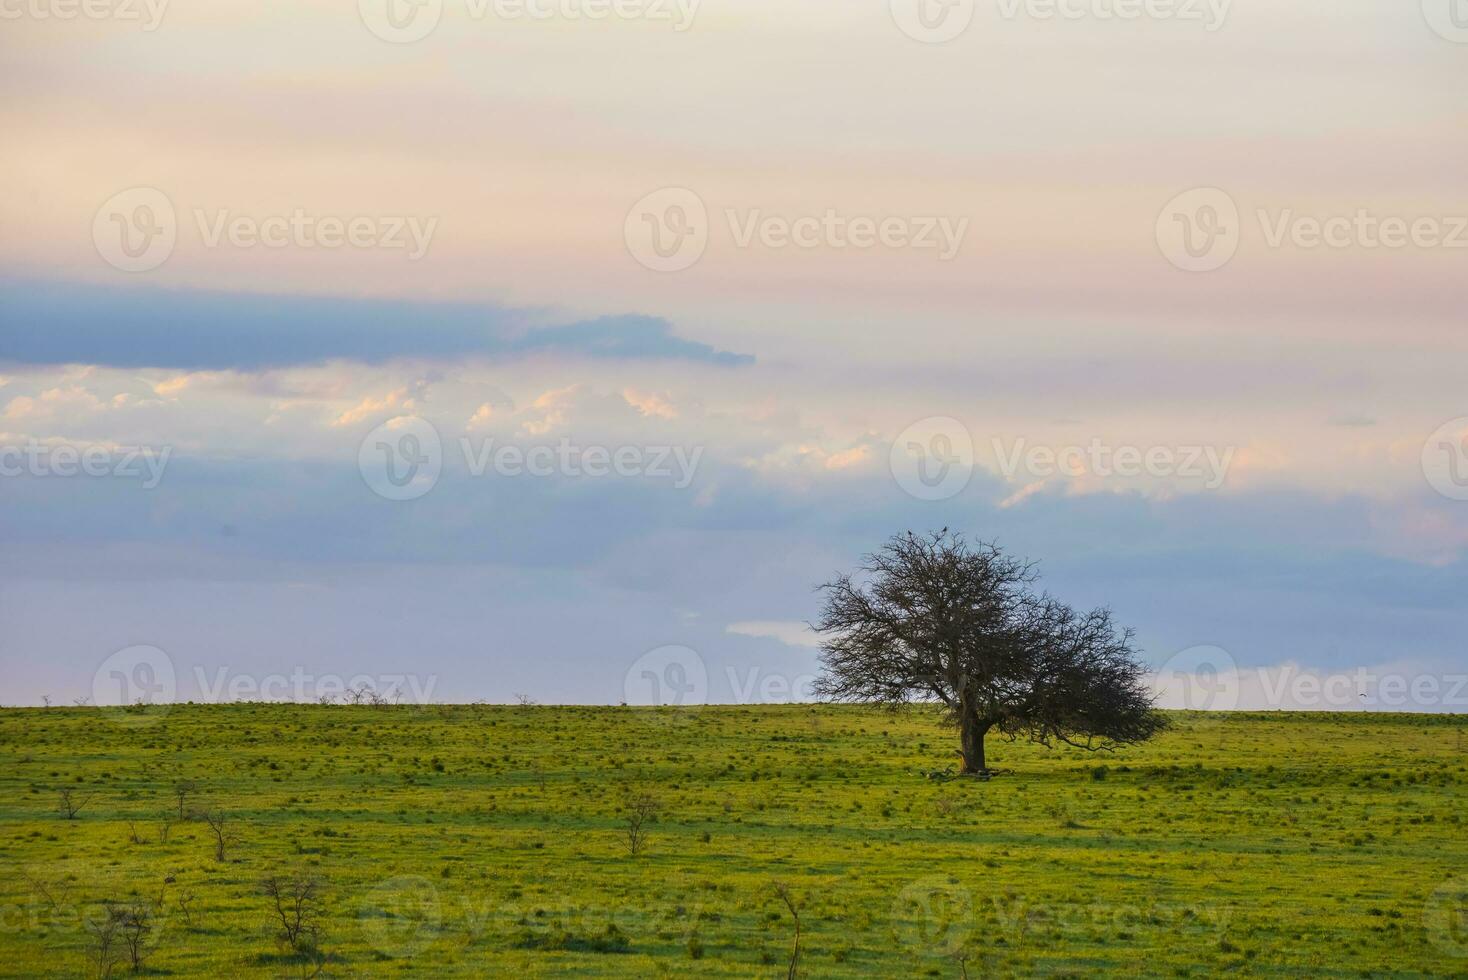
(475, 840)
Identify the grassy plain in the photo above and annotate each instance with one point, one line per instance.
(484, 840)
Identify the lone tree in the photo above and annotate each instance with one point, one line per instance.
(935, 618)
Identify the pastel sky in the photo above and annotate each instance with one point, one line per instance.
(1304, 400)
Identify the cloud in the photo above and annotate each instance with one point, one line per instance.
(73, 399)
(398, 398)
(848, 457)
(553, 407)
(789, 633)
(808, 459)
(650, 404)
(629, 336)
(20, 407)
(194, 330)
(169, 387)
(481, 417)
(1022, 494)
(618, 558)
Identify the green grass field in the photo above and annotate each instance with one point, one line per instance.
(476, 840)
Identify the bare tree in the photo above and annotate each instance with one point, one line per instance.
(296, 907)
(71, 802)
(46, 891)
(935, 619)
(121, 931)
(137, 928)
(182, 790)
(185, 902)
(364, 694)
(217, 822)
(640, 811)
(782, 891)
(104, 950)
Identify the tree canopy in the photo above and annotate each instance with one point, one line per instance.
(934, 618)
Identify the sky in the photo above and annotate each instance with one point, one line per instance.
(559, 349)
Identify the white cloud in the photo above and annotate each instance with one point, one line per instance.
(846, 458)
(787, 632)
(1022, 494)
(554, 407)
(20, 407)
(650, 403)
(481, 416)
(72, 400)
(398, 399)
(172, 386)
(805, 460)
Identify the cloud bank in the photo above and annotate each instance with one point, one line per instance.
(73, 323)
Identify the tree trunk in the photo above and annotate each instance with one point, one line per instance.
(972, 730)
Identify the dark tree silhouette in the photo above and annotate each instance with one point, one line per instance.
(935, 618)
